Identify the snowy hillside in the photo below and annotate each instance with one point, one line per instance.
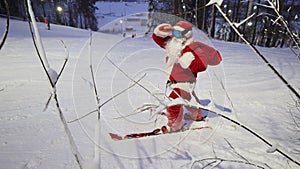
(32, 138)
(109, 11)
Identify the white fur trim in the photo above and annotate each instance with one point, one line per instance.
(188, 42)
(188, 87)
(160, 33)
(186, 59)
(178, 28)
(188, 34)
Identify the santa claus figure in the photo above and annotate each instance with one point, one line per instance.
(184, 58)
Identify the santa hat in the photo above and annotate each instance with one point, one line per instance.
(185, 27)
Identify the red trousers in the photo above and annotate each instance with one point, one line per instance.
(175, 113)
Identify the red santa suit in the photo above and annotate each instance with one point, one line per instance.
(185, 60)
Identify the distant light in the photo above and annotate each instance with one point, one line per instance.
(121, 21)
(249, 24)
(59, 9)
(229, 11)
(255, 7)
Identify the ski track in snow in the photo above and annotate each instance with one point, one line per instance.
(31, 138)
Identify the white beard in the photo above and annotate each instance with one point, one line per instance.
(174, 48)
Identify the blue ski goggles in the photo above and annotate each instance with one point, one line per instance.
(180, 34)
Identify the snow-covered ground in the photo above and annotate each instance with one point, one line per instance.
(33, 138)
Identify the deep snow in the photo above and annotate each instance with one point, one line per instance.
(31, 138)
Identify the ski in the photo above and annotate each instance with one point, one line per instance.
(155, 132)
(135, 135)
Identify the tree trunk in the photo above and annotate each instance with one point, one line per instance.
(237, 19)
(254, 33)
(177, 8)
(213, 22)
(201, 15)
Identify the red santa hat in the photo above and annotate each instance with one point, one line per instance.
(185, 28)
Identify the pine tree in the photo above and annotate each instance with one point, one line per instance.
(86, 10)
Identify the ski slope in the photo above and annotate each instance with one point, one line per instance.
(108, 11)
(32, 138)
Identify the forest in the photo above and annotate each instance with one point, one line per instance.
(264, 27)
(266, 21)
(74, 13)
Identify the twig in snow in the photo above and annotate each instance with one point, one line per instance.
(47, 103)
(97, 152)
(60, 72)
(294, 118)
(140, 110)
(89, 83)
(124, 73)
(89, 113)
(248, 129)
(7, 25)
(46, 68)
(34, 42)
(234, 151)
(297, 54)
(108, 100)
(65, 62)
(227, 95)
(219, 160)
(93, 76)
(215, 161)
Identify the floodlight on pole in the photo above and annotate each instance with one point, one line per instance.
(59, 9)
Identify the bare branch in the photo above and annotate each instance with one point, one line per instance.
(289, 86)
(47, 68)
(148, 91)
(297, 106)
(179, 101)
(65, 62)
(7, 25)
(213, 162)
(34, 43)
(47, 103)
(280, 17)
(243, 21)
(93, 76)
(294, 120)
(108, 100)
(141, 109)
(220, 160)
(234, 151)
(227, 95)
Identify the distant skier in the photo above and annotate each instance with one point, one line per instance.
(185, 58)
(46, 20)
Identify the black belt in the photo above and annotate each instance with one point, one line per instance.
(169, 82)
